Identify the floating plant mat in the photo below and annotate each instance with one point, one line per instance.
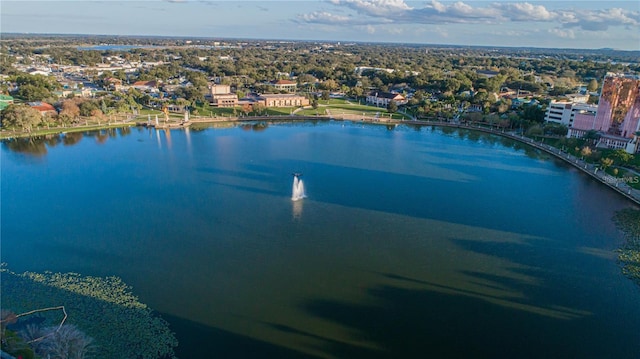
(628, 220)
(104, 308)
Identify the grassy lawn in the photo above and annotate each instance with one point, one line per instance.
(312, 112)
(148, 111)
(280, 111)
(356, 107)
(332, 101)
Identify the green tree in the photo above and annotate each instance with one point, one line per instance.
(606, 162)
(87, 107)
(392, 106)
(258, 108)
(591, 135)
(20, 116)
(535, 130)
(621, 156)
(592, 86)
(33, 93)
(329, 85)
(556, 129)
(533, 113)
(357, 92)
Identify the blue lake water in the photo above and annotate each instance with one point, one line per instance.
(412, 242)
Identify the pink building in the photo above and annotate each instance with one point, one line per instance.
(619, 106)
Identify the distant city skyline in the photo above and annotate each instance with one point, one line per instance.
(550, 24)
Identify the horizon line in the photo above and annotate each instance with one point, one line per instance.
(307, 41)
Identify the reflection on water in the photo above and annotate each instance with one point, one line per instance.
(72, 138)
(257, 126)
(297, 209)
(30, 145)
(38, 145)
(416, 242)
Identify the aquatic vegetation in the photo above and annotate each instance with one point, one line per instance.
(628, 220)
(104, 308)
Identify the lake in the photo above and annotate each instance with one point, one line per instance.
(411, 242)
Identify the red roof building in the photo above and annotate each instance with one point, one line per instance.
(43, 107)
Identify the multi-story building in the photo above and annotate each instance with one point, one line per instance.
(570, 113)
(383, 98)
(284, 85)
(221, 96)
(619, 105)
(617, 116)
(283, 100)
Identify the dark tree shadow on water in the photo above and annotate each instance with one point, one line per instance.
(410, 323)
(198, 340)
(548, 303)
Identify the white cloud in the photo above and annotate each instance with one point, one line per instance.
(600, 20)
(525, 12)
(382, 8)
(436, 12)
(323, 17)
(563, 33)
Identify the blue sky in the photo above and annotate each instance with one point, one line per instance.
(565, 24)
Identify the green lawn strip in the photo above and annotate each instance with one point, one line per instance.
(332, 101)
(312, 112)
(103, 308)
(280, 111)
(356, 107)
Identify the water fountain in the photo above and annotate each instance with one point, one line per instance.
(298, 188)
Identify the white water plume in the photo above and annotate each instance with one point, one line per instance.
(298, 189)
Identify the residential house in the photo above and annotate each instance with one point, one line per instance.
(150, 86)
(112, 83)
(44, 108)
(39, 71)
(487, 73)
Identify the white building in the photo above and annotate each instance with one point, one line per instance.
(221, 96)
(566, 113)
(383, 98)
